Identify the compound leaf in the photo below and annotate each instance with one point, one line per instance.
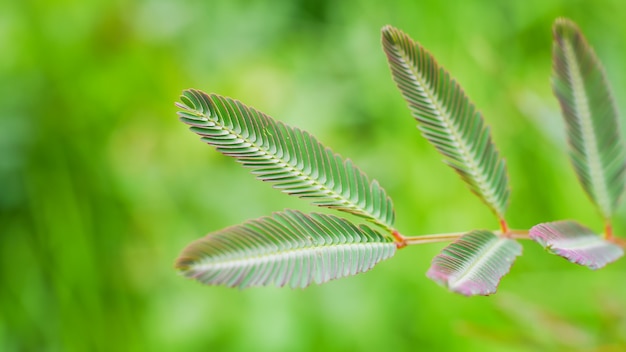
(475, 263)
(288, 248)
(576, 243)
(596, 148)
(447, 119)
(292, 159)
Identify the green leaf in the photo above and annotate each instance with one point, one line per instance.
(576, 243)
(475, 263)
(289, 248)
(596, 147)
(447, 119)
(293, 160)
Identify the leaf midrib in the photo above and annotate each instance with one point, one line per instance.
(591, 152)
(484, 256)
(209, 263)
(300, 173)
(586, 242)
(463, 147)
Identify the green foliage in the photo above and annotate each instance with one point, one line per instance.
(447, 119)
(101, 186)
(596, 147)
(289, 248)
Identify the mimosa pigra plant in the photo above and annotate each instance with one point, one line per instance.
(293, 248)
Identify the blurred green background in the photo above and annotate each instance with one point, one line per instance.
(101, 187)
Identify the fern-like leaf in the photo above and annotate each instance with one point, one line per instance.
(475, 263)
(447, 119)
(293, 160)
(576, 243)
(289, 248)
(596, 147)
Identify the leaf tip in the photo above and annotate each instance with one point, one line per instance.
(186, 101)
(387, 29)
(390, 34)
(563, 24)
(566, 29)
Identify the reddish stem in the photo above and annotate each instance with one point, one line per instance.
(608, 231)
(519, 234)
(400, 240)
(619, 241)
(609, 236)
(504, 227)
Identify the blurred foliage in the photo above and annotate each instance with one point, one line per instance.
(101, 186)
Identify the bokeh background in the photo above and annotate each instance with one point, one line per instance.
(101, 187)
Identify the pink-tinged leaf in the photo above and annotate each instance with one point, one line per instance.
(475, 263)
(576, 243)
